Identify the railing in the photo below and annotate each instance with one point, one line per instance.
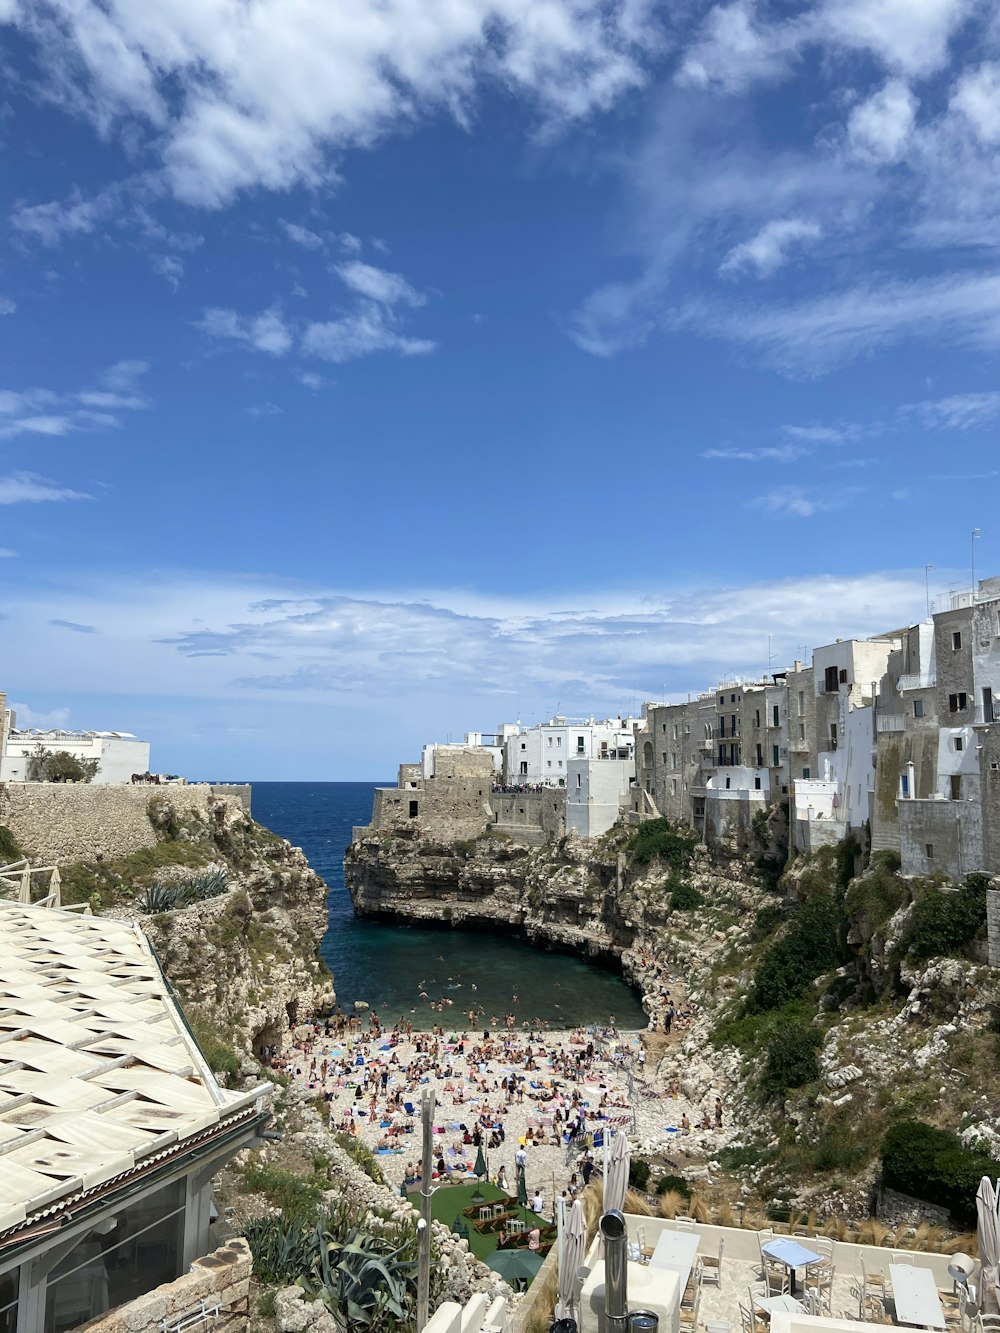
(921, 681)
(886, 722)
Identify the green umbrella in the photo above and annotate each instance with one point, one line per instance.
(515, 1265)
(479, 1170)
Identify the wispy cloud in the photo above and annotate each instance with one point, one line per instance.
(168, 267)
(6, 553)
(309, 240)
(267, 409)
(73, 626)
(772, 453)
(7, 306)
(54, 413)
(266, 332)
(369, 328)
(765, 253)
(28, 488)
(378, 284)
(799, 502)
(961, 411)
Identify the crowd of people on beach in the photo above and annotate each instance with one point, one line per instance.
(541, 1102)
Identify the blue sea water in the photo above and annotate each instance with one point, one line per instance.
(388, 966)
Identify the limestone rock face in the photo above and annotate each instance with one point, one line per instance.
(246, 963)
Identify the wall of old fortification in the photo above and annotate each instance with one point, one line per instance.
(242, 791)
(532, 817)
(57, 823)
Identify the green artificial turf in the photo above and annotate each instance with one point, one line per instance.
(447, 1204)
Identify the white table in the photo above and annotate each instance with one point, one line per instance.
(914, 1292)
(676, 1251)
(791, 1254)
(772, 1303)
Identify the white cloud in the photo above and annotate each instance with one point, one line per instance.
(266, 409)
(232, 97)
(797, 502)
(880, 128)
(378, 284)
(29, 717)
(27, 488)
(734, 50)
(775, 453)
(962, 411)
(46, 412)
(7, 306)
(266, 332)
(371, 327)
(6, 553)
(977, 97)
(52, 222)
(168, 267)
(309, 240)
(764, 253)
(810, 336)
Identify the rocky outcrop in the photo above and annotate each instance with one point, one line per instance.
(245, 964)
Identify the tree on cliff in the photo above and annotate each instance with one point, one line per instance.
(59, 766)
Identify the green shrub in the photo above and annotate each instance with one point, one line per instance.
(684, 896)
(364, 1156)
(295, 1195)
(944, 922)
(767, 921)
(933, 1164)
(675, 1185)
(809, 948)
(659, 839)
(58, 766)
(638, 1173)
(737, 1159)
(9, 850)
(790, 1059)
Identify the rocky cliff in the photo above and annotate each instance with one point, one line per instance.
(827, 1003)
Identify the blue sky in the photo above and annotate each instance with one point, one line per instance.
(374, 372)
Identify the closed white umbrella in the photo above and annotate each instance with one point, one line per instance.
(616, 1176)
(574, 1248)
(989, 1242)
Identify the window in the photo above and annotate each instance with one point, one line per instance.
(523, 746)
(959, 743)
(956, 641)
(524, 768)
(929, 850)
(728, 781)
(842, 679)
(760, 755)
(988, 713)
(957, 702)
(579, 781)
(413, 809)
(722, 698)
(722, 726)
(558, 763)
(580, 745)
(833, 735)
(548, 763)
(776, 715)
(756, 717)
(830, 680)
(549, 738)
(673, 786)
(664, 728)
(802, 731)
(673, 759)
(675, 731)
(664, 756)
(918, 708)
(955, 783)
(775, 756)
(805, 774)
(558, 740)
(756, 784)
(732, 698)
(904, 785)
(687, 728)
(802, 703)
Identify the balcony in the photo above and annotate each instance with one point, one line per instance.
(921, 681)
(887, 722)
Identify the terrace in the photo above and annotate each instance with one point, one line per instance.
(712, 1279)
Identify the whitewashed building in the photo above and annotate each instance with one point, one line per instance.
(594, 794)
(540, 756)
(119, 754)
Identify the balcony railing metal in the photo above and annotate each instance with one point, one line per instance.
(924, 680)
(886, 722)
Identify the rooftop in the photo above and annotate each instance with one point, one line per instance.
(99, 1076)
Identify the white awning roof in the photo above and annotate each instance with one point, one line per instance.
(94, 1054)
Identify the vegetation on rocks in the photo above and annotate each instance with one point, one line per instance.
(659, 840)
(58, 766)
(933, 1164)
(9, 850)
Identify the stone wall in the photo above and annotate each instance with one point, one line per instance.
(220, 1280)
(941, 838)
(454, 803)
(530, 817)
(241, 790)
(58, 823)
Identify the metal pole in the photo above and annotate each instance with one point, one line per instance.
(927, 587)
(424, 1226)
(976, 532)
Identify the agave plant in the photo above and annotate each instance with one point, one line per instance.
(159, 898)
(283, 1251)
(210, 885)
(361, 1280)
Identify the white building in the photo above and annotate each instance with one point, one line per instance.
(594, 794)
(540, 756)
(493, 741)
(119, 754)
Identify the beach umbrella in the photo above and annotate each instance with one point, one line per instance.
(574, 1247)
(479, 1170)
(616, 1177)
(515, 1265)
(987, 1232)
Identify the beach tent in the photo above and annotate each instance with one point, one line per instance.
(616, 1173)
(987, 1233)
